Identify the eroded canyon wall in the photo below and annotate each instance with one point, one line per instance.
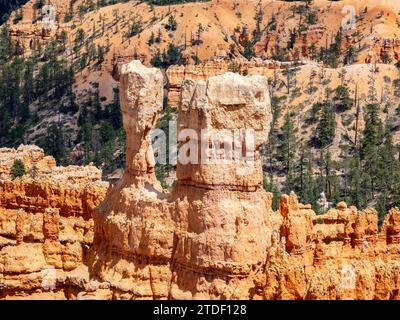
(46, 225)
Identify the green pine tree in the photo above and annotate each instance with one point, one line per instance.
(372, 139)
(326, 125)
(17, 169)
(288, 150)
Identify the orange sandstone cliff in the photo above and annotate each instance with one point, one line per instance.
(45, 223)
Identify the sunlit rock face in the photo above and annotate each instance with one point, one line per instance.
(216, 222)
(213, 236)
(46, 225)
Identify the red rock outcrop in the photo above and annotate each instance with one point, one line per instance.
(31, 156)
(46, 224)
(340, 255)
(74, 190)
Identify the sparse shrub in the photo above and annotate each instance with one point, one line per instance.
(172, 24)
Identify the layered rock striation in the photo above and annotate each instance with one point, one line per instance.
(176, 74)
(46, 225)
(74, 190)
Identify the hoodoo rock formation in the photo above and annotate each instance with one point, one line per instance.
(208, 236)
(214, 236)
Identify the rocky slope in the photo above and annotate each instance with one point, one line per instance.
(208, 30)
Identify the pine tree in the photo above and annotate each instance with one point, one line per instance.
(172, 24)
(388, 173)
(113, 111)
(159, 37)
(156, 60)
(173, 55)
(43, 81)
(87, 139)
(342, 100)
(5, 125)
(28, 89)
(151, 39)
(249, 52)
(326, 125)
(70, 15)
(6, 46)
(310, 191)
(258, 19)
(305, 177)
(79, 38)
(356, 193)
(96, 103)
(39, 4)
(331, 182)
(289, 73)
(269, 186)
(396, 179)
(136, 26)
(71, 106)
(270, 147)
(350, 55)
(107, 156)
(107, 132)
(53, 143)
(63, 40)
(12, 74)
(17, 169)
(372, 138)
(100, 54)
(287, 150)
